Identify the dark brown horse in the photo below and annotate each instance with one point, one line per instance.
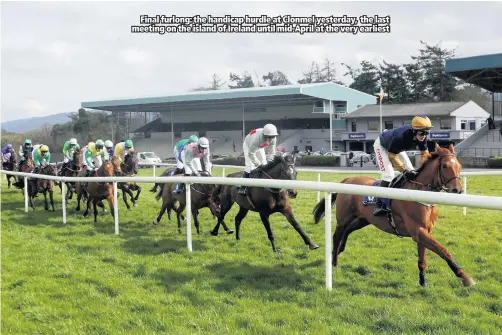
(71, 170)
(10, 166)
(27, 166)
(130, 168)
(265, 201)
(201, 197)
(44, 186)
(409, 219)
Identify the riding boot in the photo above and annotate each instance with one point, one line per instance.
(244, 189)
(380, 208)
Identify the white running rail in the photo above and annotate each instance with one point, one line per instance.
(477, 201)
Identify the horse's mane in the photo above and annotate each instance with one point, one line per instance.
(278, 158)
(433, 156)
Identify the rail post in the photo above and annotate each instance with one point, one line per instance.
(327, 242)
(26, 194)
(188, 200)
(115, 208)
(63, 201)
(465, 192)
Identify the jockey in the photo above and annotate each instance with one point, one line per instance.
(391, 146)
(109, 148)
(7, 152)
(92, 156)
(41, 156)
(191, 164)
(122, 149)
(69, 149)
(24, 152)
(259, 148)
(178, 148)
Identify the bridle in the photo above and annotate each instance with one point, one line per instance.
(440, 178)
(284, 169)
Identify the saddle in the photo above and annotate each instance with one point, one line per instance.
(395, 183)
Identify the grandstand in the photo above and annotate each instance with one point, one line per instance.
(484, 71)
(302, 114)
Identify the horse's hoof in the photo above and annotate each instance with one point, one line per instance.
(155, 222)
(135, 205)
(214, 233)
(468, 282)
(230, 231)
(313, 246)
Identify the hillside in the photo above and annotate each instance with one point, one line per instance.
(32, 123)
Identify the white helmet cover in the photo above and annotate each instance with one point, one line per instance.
(73, 141)
(108, 144)
(270, 130)
(203, 142)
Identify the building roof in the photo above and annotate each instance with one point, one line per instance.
(253, 95)
(392, 110)
(484, 71)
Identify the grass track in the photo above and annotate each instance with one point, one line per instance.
(82, 279)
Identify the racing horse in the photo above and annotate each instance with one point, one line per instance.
(440, 172)
(98, 191)
(44, 186)
(26, 166)
(129, 168)
(71, 170)
(201, 197)
(265, 201)
(10, 166)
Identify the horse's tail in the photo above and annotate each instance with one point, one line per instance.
(319, 208)
(159, 194)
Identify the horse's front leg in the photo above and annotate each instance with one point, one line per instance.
(195, 215)
(137, 194)
(288, 213)
(426, 239)
(51, 197)
(179, 210)
(124, 197)
(111, 200)
(45, 200)
(422, 264)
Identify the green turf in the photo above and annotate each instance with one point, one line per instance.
(81, 278)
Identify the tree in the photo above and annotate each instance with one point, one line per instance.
(364, 79)
(414, 82)
(328, 72)
(476, 94)
(241, 81)
(215, 84)
(392, 79)
(439, 85)
(276, 78)
(312, 75)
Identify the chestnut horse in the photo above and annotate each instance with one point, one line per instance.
(36, 185)
(407, 218)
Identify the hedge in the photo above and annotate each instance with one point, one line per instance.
(320, 161)
(495, 162)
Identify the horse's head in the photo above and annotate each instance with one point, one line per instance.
(116, 165)
(13, 157)
(442, 171)
(131, 163)
(106, 169)
(281, 167)
(77, 159)
(49, 170)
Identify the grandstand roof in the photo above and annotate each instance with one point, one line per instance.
(484, 71)
(394, 110)
(255, 96)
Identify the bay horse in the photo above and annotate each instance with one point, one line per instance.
(98, 191)
(44, 186)
(407, 218)
(10, 166)
(129, 168)
(265, 201)
(27, 166)
(71, 170)
(201, 197)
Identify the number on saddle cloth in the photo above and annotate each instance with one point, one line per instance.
(371, 200)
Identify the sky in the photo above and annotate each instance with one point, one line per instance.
(55, 55)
